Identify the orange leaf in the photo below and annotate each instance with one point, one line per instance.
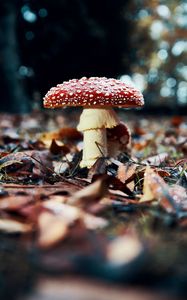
(155, 188)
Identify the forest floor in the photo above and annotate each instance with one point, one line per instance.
(119, 227)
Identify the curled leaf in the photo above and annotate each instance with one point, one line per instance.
(91, 193)
(16, 162)
(155, 188)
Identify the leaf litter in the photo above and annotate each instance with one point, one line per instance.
(117, 205)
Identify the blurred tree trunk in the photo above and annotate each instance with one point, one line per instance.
(13, 97)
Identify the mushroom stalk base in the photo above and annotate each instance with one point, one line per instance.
(93, 123)
(95, 146)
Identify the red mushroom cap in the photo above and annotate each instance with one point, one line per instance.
(93, 92)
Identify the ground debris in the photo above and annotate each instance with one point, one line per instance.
(120, 217)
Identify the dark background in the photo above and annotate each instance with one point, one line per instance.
(43, 43)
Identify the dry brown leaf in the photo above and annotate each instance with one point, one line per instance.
(12, 226)
(16, 161)
(70, 214)
(99, 168)
(125, 172)
(68, 133)
(58, 148)
(47, 137)
(155, 188)
(9, 163)
(162, 173)
(148, 194)
(115, 184)
(90, 194)
(179, 195)
(140, 172)
(156, 160)
(52, 229)
(118, 193)
(14, 203)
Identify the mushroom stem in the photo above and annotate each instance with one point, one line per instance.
(95, 146)
(93, 123)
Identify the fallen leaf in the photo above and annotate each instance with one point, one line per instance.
(56, 149)
(67, 134)
(70, 134)
(90, 194)
(179, 195)
(14, 203)
(162, 173)
(148, 194)
(116, 184)
(156, 160)
(125, 172)
(155, 188)
(99, 167)
(11, 226)
(9, 163)
(52, 230)
(47, 137)
(16, 161)
(70, 214)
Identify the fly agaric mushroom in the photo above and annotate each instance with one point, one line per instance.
(97, 95)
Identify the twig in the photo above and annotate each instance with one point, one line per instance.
(53, 172)
(29, 186)
(146, 165)
(98, 146)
